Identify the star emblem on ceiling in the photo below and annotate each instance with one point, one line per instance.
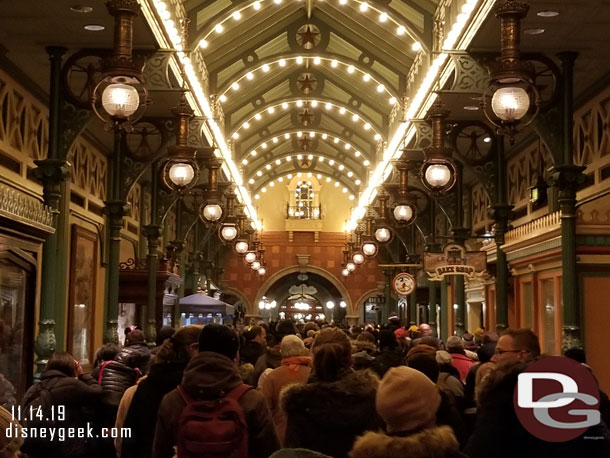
(308, 36)
(307, 83)
(306, 116)
(304, 143)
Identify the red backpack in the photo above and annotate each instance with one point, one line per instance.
(213, 428)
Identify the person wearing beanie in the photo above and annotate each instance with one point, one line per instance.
(10, 443)
(272, 357)
(295, 368)
(210, 375)
(407, 401)
(389, 354)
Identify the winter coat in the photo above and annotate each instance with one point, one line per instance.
(250, 352)
(78, 396)
(451, 385)
(123, 372)
(499, 434)
(436, 442)
(142, 414)
(328, 416)
(8, 396)
(206, 376)
(295, 369)
(362, 355)
(462, 363)
(386, 359)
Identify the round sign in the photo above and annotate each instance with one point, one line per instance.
(404, 284)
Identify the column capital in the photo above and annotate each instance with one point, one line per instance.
(152, 231)
(567, 176)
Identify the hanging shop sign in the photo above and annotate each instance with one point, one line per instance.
(404, 284)
(455, 260)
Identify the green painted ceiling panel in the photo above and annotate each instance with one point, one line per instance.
(338, 45)
(276, 46)
(205, 14)
(228, 72)
(406, 11)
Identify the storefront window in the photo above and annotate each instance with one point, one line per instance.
(13, 280)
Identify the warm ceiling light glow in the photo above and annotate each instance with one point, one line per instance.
(342, 111)
(392, 100)
(357, 153)
(299, 60)
(286, 136)
(321, 159)
(331, 162)
(299, 103)
(366, 77)
(275, 140)
(235, 86)
(317, 61)
(289, 176)
(364, 6)
(235, 135)
(288, 158)
(218, 28)
(203, 43)
(264, 145)
(268, 166)
(246, 125)
(347, 146)
(258, 116)
(251, 181)
(335, 140)
(223, 98)
(310, 157)
(357, 182)
(236, 15)
(299, 134)
(510, 103)
(253, 152)
(377, 137)
(341, 167)
(285, 105)
(280, 179)
(299, 157)
(337, 184)
(265, 68)
(329, 105)
(366, 163)
(367, 126)
(350, 174)
(259, 173)
(314, 103)
(282, 62)
(342, 2)
(319, 176)
(324, 136)
(401, 30)
(249, 75)
(264, 189)
(351, 69)
(344, 190)
(383, 17)
(278, 161)
(355, 117)
(547, 13)
(334, 63)
(416, 46)
(256, 5)
(312, 134)
(271, 110)
(257, 197)
(94, 27)
(380, 88)
(277, 2)
(244, 161)
(328, 179)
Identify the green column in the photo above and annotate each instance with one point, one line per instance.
(567, 177)
(501, 212)
(444, 311)
(54, 173)
(388, 296)
(432, 247)
(116, 208)
(432, 301)
(460, 235)
(154, 311)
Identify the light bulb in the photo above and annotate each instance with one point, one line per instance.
(369, 249)
(181, 174)
(403, 212)
(330, 305)
(510, 103)
(241, 247)
(212, 212)
(358, 258)
(345, 272)
(120, 100)
(228, 232)
(383, 234)
(350, 266)
(262, 271)
(383, 17)
(342, 304)
(255, 265)
(250, 257)
(437, 175)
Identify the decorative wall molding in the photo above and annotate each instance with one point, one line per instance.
(534, 228)
(25, 209)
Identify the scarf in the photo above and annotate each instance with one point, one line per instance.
(294, 362)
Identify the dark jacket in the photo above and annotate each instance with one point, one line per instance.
(271, 359)
(437, 442)
(8, 396)
(328, 416)
(123, 372)
(362, 355)
(142, 414)
(250, 352)
(208, 375)
(78, 397)
(499, 434)
(387, 359)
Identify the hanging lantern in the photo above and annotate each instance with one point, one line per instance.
(383, 233)
(405, 210)
(438, 171)
(211, 212)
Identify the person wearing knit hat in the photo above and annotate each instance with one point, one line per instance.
(9, 443)
(407, 401)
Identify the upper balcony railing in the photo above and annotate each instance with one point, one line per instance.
(303, 212)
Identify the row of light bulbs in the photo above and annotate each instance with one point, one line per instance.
(310, 157)
(236, 16)
(313, 103)
(319, 176)
(312, 134)
(315, 60)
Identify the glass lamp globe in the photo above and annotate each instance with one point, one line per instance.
(358, 258)
(241, 246)
(369, 249)
(342, 304)
(350, 266)
(250, 257)
(120, 100)
(510, 103)
(262, 271)
(383, 234)
(181, 174)
(403, 213)
(228, 232)
(261, 305)
(345, 272)
(330, 305)
(437, 175)
(212, 212)
(255, 265)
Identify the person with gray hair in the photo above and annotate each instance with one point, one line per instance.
(459, 360)
(295, 368)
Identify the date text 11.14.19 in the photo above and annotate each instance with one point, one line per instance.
(36, 413)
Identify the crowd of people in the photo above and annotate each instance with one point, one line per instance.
(293, 390)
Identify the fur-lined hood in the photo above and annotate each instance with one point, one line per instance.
(437, 442)
(336, 404)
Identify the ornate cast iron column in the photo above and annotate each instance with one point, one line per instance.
(501, 212)
(54, 172)
(432, 246)
(567, 177)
